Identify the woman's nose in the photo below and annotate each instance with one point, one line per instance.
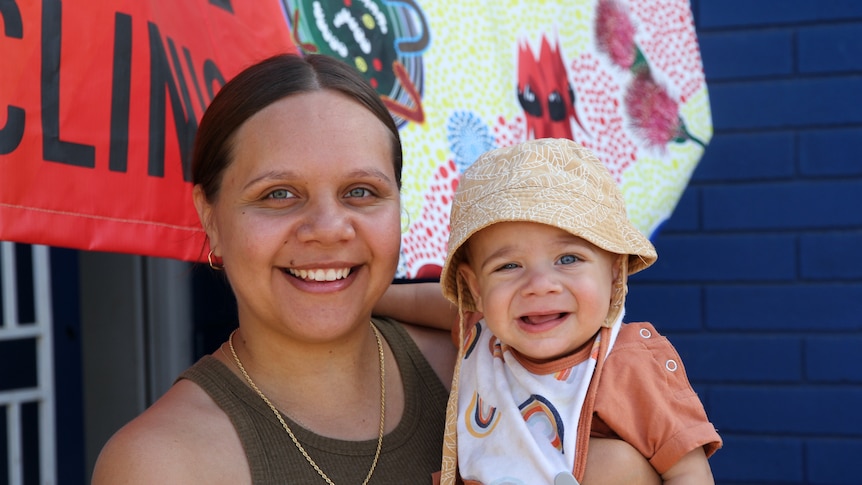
(326, 222)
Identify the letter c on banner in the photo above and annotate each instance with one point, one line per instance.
(13, 132)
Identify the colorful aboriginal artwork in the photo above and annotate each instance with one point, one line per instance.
(384, 40)
(622, 77)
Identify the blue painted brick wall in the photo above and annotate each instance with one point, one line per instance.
(759, 277)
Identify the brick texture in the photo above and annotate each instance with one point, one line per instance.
(759, 277)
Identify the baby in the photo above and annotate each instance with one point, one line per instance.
(541, 246)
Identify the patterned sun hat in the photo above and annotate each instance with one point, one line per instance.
(550, 181)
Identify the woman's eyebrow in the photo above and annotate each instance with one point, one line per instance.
(290, 174)
(271, 175)
(370, 172)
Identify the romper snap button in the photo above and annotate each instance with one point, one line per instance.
(645, 333)
(670, 365)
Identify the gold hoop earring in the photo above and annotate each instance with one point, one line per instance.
(215, 266)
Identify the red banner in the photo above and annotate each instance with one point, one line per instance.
(99, 104)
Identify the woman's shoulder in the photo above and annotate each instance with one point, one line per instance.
(182, 438)
(437, 348)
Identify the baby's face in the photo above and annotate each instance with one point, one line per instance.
(542, 290)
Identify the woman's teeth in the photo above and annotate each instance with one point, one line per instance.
(320, 274)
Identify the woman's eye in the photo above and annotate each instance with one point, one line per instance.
(279, 194)
(568, 259)
(358, 192)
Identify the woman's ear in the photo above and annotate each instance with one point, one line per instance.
(205, 209)
(466, 273)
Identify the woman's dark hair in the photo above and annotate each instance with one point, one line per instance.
(259, 86)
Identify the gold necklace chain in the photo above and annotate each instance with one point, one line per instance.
(290, 432)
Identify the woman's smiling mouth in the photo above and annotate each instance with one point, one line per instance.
(329, 274)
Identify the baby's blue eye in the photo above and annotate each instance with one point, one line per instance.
(568, 259)
(508, 266)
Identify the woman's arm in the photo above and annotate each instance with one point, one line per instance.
(419, 304)
(438, 349)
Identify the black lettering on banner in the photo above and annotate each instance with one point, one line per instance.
(11, 14)
(185, 131)
(12, 134)
(212, 73)
(186, 125)
(54, 149)
(191, 67)
(224, 4)
(121, 93)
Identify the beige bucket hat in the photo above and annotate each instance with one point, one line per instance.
(551, 181)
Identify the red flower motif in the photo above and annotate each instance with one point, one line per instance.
(652, 111)
(615, 33)
(654, 114)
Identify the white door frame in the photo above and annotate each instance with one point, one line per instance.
(42, 331)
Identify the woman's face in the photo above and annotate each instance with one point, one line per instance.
(308, 217)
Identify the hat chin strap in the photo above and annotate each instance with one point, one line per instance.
(618, 294)
(449, 464)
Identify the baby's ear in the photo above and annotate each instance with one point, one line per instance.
(465, 272)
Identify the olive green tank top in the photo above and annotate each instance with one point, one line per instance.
(410, 454)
